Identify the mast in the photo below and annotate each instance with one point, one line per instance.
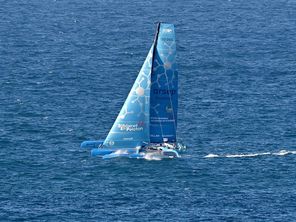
(155, 45)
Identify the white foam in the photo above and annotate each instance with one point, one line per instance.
(120, 151)
(211, 155)
(284, 152)
(242, 155)
(246, 155)
(152, 156)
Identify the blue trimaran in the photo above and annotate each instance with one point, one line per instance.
(146, 125)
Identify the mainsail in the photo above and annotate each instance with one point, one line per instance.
(149, 113)
(164, 87)
(131, 128)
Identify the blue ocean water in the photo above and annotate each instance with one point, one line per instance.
(66, 68)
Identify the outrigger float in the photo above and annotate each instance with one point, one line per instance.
(147, 123)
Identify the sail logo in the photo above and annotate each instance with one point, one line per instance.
(131, 127)
(111, 143)
(164, 91)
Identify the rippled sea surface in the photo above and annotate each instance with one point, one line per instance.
(66, 68)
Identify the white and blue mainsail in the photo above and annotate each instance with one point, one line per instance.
(149, 114)
(131, 128)
(164, 87)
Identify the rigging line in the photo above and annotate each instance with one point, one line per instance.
(153, 56)
(171, 101)
(159, 122)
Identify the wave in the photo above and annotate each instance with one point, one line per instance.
(279, 153)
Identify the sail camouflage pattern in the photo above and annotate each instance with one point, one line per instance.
(164, 87)
(131, 128)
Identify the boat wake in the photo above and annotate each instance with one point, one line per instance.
(151, 156)
(280, 153)
(120, 152)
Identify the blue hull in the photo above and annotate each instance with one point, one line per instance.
(112, 152)
(91, 144)
(135, 154)
(100, 152)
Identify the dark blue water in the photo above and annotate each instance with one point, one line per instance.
(66, 68)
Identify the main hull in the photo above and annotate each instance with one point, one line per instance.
(150, 151)
(159, 152)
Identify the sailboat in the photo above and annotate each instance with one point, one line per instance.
(147, 122)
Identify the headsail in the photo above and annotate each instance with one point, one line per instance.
(131, 128)
(164, 85)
